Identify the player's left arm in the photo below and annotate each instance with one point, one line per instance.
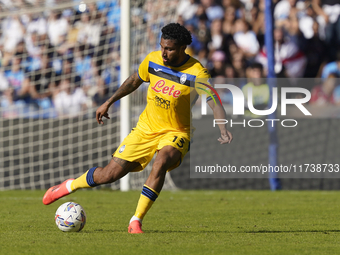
(219, 113)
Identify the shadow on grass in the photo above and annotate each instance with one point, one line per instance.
(104, 231)
(168, 231)
(293, 231)
(246, 232)
(214, 231)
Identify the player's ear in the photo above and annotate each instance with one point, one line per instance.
(183, 47)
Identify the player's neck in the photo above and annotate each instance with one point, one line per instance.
(182, 60)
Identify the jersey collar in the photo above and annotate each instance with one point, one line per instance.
(183, 62)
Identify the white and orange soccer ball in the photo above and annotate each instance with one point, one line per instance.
(70, 217)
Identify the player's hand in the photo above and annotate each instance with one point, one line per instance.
(102, 112)
(226, 137)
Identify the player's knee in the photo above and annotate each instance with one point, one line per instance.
(160, 166)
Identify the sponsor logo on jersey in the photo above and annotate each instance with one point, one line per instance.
(161, 102)
(160, 87)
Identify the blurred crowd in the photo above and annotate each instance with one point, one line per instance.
(66, 61)
(228, 38)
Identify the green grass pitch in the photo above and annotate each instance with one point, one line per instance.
(180, 222)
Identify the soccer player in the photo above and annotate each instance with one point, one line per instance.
(163, 127)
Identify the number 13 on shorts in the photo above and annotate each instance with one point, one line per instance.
(180, 141)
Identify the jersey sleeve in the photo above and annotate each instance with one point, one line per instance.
(143, 70)
(203, 84)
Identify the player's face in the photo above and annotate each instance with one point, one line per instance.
(172, 53)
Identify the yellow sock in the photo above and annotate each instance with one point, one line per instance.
(145, 202)
(84, 181)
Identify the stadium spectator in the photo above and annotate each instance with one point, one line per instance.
(89, 30)
(323, 94)
(57, 28)
(70, 101)
(111, 73)
(315, 51)
(306, 22)
(203, 32)
(109, 42)
(260, 90)
(196, 45)
(245, 39)
(11, 108)
(32, 42)
(336, 94)
(229, 72)
(202, 56)
(102, 94)
(258, 22)
(289, 60)
(237, 6)
(213, 10)
(72, 32)
(332, 67)
(200, 15)
(113, 14)
(187, 9)
(15, 77)
(218, 40)
(329, 10)
(3, 81)
(85, 67)
(69, 73)
(229, 21)
(239, 64)
(218, 58)
(283, 9)
(41, 84)
(13, 32)
(291, 27)
(37, 24)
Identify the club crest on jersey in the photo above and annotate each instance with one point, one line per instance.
(160, 87)
(183, 78)
(122, 149)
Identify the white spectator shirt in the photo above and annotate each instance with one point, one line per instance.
(306, 26)
(33, 50)
(57, 28)
(186, 9)
(70, 104)
(12, 32)
(3, 81)
(247, 42)
(282, 10)
(88, 33)
(333, 12)
(39, 26)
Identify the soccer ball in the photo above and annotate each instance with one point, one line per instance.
(70, 217)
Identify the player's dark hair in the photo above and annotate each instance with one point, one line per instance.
(178, 33)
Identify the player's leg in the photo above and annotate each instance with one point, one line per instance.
(116, 169)
(167, 158)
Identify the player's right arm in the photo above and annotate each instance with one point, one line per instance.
(128, 86)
